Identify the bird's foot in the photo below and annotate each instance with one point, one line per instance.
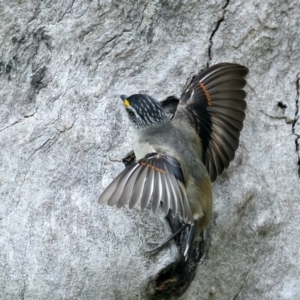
(129, 158)
(126, 160)
(115, 159)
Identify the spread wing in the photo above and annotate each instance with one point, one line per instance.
(154, 178)
(214, 104)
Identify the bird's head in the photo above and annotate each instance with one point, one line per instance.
(143, 110)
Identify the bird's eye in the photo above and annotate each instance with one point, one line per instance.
(130, 112)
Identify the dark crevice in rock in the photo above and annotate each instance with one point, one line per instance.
(297, 140)
(36, 12)
(104, 52)
(10, 125)
(67, 11)
(214, 32)
(37, 79)
(49, 142)
(174, 280)
(281, 105)
(226, 4)
(298, 150)
(142, 18)
(8, 67)
(211, 38)
(19, 120)
(112, 39)
(287, 119)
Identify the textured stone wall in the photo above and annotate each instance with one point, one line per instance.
(63, 65)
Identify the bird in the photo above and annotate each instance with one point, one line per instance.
(176, 160)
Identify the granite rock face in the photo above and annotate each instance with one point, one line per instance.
(63, 65)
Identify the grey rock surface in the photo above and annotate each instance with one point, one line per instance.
(63, 65)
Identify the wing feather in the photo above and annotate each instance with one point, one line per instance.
(156, 178)
(148, 189)
(214, 103)
(129, 185)
(139, 186)
(114, 190)
(165, 194)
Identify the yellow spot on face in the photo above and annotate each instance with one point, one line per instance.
(126, 103)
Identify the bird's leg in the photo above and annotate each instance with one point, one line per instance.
(190, 240)
(114, 159)
(168, 239)
(126, 160)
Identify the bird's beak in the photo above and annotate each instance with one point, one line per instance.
(123, 97)
(125, 101)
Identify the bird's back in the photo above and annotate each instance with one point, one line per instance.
(176, 137)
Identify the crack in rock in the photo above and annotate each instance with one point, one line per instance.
(297, 140)
(226, 4)
(241, 287)
(142, 18)
(107, 51)
(42, 146)
(215, 30)
(67, 11)
(287, 119)
(19, 120)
